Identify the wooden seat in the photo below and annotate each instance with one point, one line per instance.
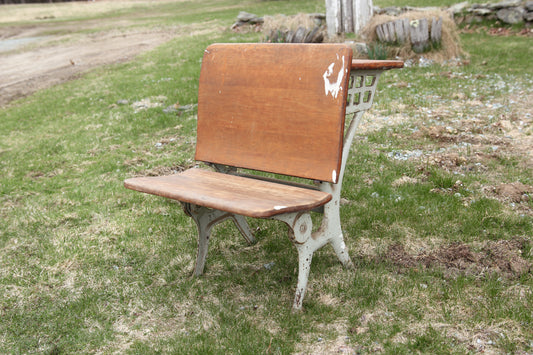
(277, 108)
(235, 194)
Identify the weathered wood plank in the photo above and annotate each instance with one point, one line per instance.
(347, 16)
(386, 32)
(334, 16)
(291, 124)
(419, 33)
(366, 64)
(362, 13)
(380, 33)
(392, 32)
(240, 195)
(401, 28)
(436, 30)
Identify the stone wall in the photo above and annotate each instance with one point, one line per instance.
(507, 11)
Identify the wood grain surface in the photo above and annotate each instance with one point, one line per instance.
(274, 107)
(230, 193)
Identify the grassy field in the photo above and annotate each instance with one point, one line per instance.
(438, 212)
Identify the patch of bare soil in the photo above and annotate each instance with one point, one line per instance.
(513, 192)
(502, 257)
(25, 72)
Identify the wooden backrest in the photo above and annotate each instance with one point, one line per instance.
(274, 107)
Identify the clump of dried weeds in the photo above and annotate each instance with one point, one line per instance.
(448, 49)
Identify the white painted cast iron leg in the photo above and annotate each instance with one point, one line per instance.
(341, 251)
(244, 228)
(205, 220)
(306, 244)
(331, 229)
(301, 226)
(305, 256)
(334, 230)
(203, 246)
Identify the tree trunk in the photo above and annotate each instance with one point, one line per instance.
(347, 15)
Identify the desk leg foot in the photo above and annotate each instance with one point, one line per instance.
(342, 251)
(205, 219)
(203, 246)
(301, 226)
(244, 228)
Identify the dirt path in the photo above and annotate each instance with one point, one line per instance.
(46, 44)
(24, 72)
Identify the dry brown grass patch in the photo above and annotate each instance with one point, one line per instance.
(164, 170)
(320, 343)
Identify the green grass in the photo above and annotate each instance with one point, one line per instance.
(88, 266)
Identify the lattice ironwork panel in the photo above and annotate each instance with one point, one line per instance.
(361, 90)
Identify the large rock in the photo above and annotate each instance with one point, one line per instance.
(471, 19)
(392, 11)
(423, 9)
(505, 4)
(247, 17)
(458, 8)
(361, 47)
(482, 12)
(511, 15)
(529, 6)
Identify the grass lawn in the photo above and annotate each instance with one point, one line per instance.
(438, 212)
